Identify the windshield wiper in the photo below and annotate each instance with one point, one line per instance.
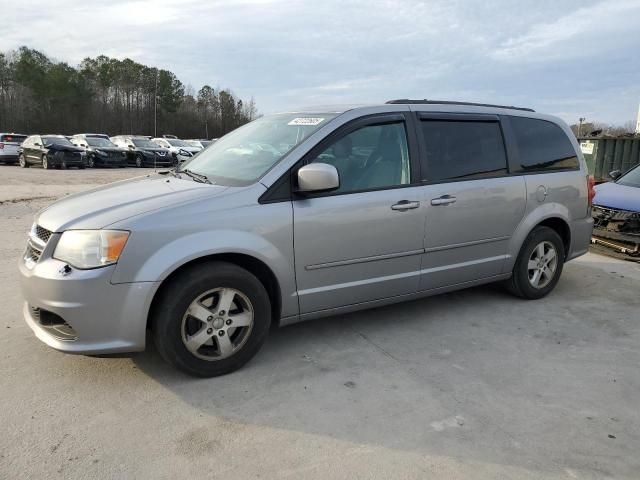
(198, 177)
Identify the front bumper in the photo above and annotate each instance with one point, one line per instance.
(104, 317)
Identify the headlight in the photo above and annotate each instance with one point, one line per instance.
(102, 153)
(91, 248)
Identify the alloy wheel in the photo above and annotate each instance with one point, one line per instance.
(542, 265)
(217, 324)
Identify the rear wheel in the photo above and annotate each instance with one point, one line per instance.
(212, 319)
(23, 161)
(539, 264)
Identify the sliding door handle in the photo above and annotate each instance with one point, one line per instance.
(403, 205)
(443, 200)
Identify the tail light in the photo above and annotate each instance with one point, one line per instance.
(1, 146)
(591, 191)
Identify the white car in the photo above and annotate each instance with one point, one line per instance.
(9, 147)
(182, 149)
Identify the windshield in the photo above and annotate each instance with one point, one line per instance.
(99, 142)
(144, 143)
(244, 155)
(177, 143)
(631, 178)
(56, 141)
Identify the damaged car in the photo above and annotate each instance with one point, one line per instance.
(616, 213)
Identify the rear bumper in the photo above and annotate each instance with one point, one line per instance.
(8, 157)
(580, 237)
(104, 317)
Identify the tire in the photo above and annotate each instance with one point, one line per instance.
(22, 160)
(139, 161)
(45, 163)
(525, 282)
(174, 328)
(92, 163)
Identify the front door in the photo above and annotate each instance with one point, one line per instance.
(362, 242)
(473, 205)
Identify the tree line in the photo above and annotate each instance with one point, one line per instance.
(107, 95)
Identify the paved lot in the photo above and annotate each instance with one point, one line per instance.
(474, 384)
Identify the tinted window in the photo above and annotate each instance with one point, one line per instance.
(542, 146)
(459, 149)
(371, 157)
(18, 139)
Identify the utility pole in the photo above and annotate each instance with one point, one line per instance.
(580, 120)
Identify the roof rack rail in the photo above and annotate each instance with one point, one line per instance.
(449, 102)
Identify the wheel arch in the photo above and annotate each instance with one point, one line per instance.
(257, 267)
(554, 216)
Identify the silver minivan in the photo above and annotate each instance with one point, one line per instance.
(303, 215)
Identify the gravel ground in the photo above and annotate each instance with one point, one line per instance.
(474, 384)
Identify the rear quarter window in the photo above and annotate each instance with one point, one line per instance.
(17, 139)
(542, 146)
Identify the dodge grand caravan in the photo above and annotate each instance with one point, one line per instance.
(307, 214)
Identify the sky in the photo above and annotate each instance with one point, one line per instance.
(568, 58)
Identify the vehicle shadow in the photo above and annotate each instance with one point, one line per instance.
(477, 374)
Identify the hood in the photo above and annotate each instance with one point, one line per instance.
(63, 148)
(108, 149)
(118, 201)
(617, 196)
(153, 149)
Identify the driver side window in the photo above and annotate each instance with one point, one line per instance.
(374, 156)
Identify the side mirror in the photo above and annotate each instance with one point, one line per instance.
(318, 177)
(131, 147)
(615, 174)
(37, 145)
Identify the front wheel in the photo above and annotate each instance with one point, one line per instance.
(211, 319)
(45, 163)
(539, 264)
(92, 162)
(23, 161)
(139, 161)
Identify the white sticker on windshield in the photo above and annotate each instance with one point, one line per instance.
(306, 121)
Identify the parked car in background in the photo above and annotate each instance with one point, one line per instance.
(9, 145)
(202, 143)
(616, 212)
(304, 215)
(101, 152)
(179, 148)
(51, 151)
(144, 152)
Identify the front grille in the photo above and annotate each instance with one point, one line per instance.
(38, 238)
(32, 254)
(616, 220)
(42, 233)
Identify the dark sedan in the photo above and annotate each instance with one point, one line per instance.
(51, 151)
(143, 152)
(101, 152)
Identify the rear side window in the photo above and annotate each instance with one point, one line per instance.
(542, 146)
(18, 139)
(463, 150)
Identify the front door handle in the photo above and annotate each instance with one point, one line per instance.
(403, 205)
(443, 200)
